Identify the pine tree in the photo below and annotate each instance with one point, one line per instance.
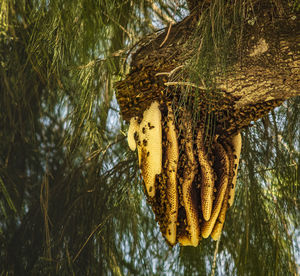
(71, 194)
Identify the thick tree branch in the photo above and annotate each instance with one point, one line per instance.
(263, 73)
(266, 73)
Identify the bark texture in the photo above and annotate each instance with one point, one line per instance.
(264, 72)
(270, 65)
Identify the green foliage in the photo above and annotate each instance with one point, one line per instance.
(71, 200)
(266, 207)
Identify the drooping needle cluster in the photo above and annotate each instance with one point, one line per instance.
(188, 185)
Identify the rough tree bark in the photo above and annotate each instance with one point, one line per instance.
(267, 68)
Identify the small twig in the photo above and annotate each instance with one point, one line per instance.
(162, 74)
(169, 73)
(183, 83)
(169, 29)
(176, 69)
(213, 269)
(89, 237)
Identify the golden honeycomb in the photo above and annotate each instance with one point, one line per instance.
(188, 181)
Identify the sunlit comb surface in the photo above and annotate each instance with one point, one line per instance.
(189, 180)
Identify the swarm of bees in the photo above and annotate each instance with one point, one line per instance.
(189, 181)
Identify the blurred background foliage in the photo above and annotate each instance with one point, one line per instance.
(70, 195)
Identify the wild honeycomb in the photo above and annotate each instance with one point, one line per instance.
(187, 169)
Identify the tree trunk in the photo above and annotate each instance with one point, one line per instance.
(265, 70)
